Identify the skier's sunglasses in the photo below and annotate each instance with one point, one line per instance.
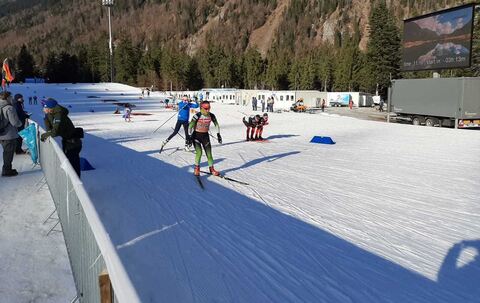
(207, 107)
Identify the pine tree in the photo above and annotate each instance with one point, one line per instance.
(227, 73)
(67, 68)
(343, 70)
(168, 68)
(308, 76)
(209, 62)
(126, 58)
(194, 77)
(149, 69)
(62, 68)
(84, 72)
(25, 64)
(278, 69)
(325, 69)
(349, 65)
(51, 68)
(253, 66)
(294, 75)
(383, 50)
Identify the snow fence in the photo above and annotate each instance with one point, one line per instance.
(89, 246)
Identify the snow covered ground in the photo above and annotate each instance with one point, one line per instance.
(34, 264)
(390, 213)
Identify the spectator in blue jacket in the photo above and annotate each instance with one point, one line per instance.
(184, 107)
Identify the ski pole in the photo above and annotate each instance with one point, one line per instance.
(169, 119)
(213, 136)
(181, 136)
(164, 123)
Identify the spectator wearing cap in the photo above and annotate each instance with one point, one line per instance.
(8, 133)
(58, 123)
(23, 116)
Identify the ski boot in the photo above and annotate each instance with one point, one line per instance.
(248, 138)
(163, 145)
(255, 139)
(213, 171)
(196, 170)
(260, 138)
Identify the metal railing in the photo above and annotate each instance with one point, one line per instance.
(89, 246)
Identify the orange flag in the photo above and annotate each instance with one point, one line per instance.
(7, 74)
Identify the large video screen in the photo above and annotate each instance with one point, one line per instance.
(440, 40)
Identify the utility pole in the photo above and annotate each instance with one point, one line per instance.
(109, 4)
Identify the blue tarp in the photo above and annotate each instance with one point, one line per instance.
(29, 136)
(85, 165)
(322, 140)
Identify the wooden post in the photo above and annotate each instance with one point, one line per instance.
(105, 287)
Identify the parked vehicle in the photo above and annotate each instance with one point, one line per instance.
(452, 102)
(298, 106)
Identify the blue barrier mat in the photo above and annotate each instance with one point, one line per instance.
(322, 140)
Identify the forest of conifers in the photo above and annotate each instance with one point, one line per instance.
(171, 43)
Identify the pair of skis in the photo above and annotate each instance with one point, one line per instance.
(199, 181)
(163, 144)
(175, 150)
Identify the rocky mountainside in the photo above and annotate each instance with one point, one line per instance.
(55, 25)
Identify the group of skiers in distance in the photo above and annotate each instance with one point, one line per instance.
(255, 126)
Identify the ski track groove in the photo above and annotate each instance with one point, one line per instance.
(291, 236)
(368, 212)
(177, 243)
(200, 240)
(233, 244)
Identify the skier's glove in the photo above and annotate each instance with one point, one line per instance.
(43, 137)
(189, 141)
(219, 138)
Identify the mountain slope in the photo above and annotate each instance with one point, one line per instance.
(234, 24)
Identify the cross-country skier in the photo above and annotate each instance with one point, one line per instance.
(251, 123)
(127, 112)
(263, 121)
(198, 129)
(184, 107)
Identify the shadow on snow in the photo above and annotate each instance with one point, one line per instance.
(182, 244)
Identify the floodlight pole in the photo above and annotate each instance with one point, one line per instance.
(109, 4)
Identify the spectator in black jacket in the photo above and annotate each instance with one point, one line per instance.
(58, 123)
(22, 116)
